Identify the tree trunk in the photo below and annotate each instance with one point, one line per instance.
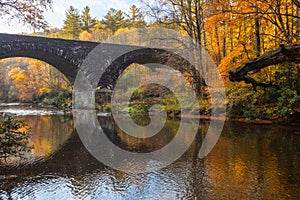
(257, 37)
(218, 57)
(290, 53)
(224, 41)
(297, 23)
(224, 47)
(289, 37)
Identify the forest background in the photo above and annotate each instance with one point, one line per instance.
(233, 32)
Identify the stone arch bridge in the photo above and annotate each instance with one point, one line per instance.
(68, 55)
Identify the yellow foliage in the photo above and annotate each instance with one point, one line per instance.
(84, 35)
(18, 74)
(122, 30)
(44, 90)
(213, 20)
(226, 62)
(28, 77)
(14, 71)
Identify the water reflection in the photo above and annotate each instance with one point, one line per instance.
(248, 162)
(48, 134)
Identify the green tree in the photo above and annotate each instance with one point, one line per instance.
(135, 18)
(13, 138)
(88, 22)
(113, 20)
(72, 24)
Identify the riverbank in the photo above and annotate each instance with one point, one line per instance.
(23, 109)
(289, 121)
(241, 120)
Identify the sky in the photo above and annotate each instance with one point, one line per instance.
(56, 16)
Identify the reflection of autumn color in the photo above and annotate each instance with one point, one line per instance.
(245, 163)
(49, 133)
(154, 143)
(248, 162)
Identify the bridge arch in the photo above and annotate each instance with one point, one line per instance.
(64, 55)
(146, 56)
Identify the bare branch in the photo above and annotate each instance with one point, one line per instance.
(297, 3)
(27, 11)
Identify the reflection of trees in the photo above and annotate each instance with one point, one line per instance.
(49, 133)
(253, 160)
(248, 161)
(118, 137)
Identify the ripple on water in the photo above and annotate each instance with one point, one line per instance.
(248, 162)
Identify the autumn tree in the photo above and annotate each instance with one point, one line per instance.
(239, 30)
(85, 36)
(27, 11)
(100, 34)
(23, 79)
(72, 24)
(20, 78)
(282, 15)
(264, 37)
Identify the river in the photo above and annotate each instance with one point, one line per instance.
(248, 162)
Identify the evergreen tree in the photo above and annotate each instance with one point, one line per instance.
(136, 18)
(72, 24)
(87, 21)
(113, 20)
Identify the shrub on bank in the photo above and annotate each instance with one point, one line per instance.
(59, 99)
(14, 138)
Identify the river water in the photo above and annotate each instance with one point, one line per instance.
(248, 162)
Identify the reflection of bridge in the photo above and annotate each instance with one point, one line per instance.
(72, 157)
(68, 55)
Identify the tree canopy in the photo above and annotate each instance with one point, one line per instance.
(113, 20)
(72, 24)
(88, 22)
